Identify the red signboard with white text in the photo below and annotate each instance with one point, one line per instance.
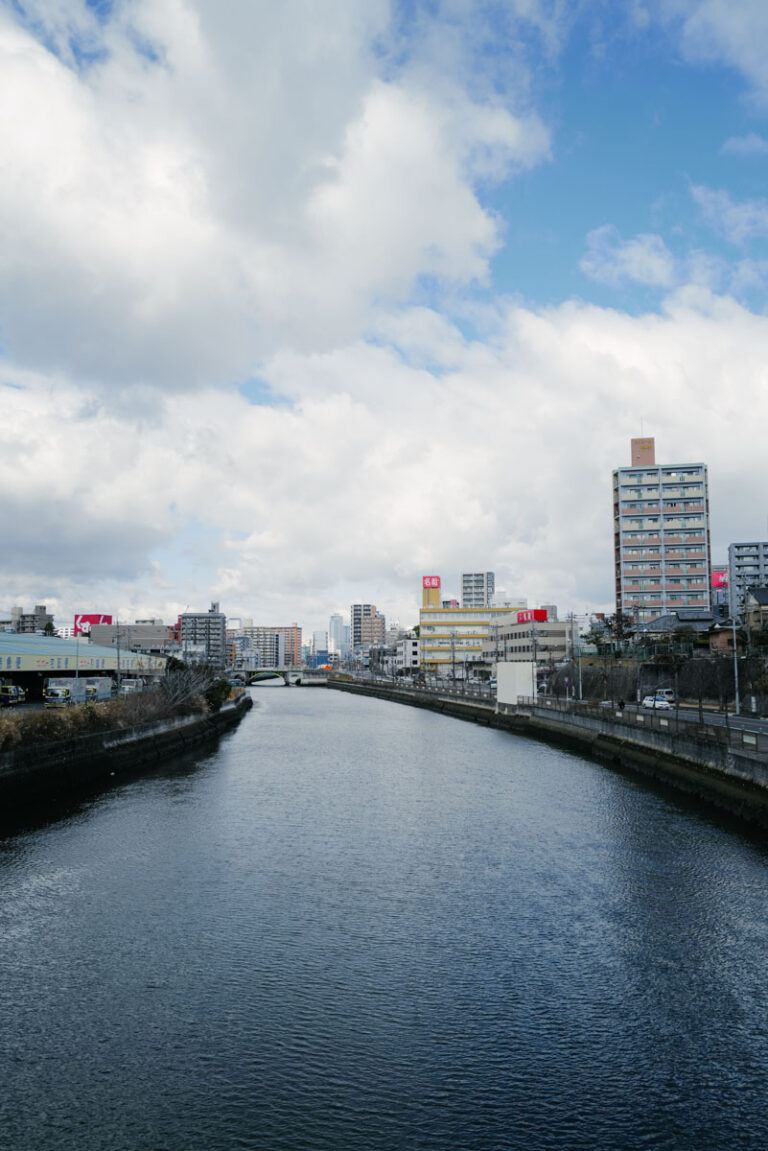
(719, 578)
(533, 615)
(84, 623)
(430, 581)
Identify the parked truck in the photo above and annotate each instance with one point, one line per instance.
(11, 693)
(99, 687)
(66, 690)
(131, 686)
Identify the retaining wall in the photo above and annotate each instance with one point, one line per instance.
(52, 769)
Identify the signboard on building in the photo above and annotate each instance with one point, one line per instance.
(430, 581)
(533, 615)
(719, 578)
(84, 623)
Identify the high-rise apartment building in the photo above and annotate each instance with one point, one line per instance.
(747, 567)
(661, 536)
(477, 589)
(268, 644)
(368, 626)
(204, 636)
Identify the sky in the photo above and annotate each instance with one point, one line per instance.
(300, 302)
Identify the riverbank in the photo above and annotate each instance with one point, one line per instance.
(51, 770)
(722, 769)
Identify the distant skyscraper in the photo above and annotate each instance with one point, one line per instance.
(336, 634)
(477, 589)
(661, 536)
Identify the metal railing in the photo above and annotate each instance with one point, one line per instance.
(736, 733)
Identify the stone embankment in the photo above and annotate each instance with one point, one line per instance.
(726, 767)
(53, 769)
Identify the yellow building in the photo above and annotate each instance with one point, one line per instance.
(451, 639)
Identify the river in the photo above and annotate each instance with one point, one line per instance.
(356, 925)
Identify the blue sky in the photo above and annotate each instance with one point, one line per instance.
(301, 301)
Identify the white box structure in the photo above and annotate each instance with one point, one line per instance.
(515, 679)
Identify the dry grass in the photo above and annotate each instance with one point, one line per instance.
(22, 729)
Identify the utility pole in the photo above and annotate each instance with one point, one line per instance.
(735, 666)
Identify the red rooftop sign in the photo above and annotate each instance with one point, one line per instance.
(430, 581)
(533, 615)
(84, 623)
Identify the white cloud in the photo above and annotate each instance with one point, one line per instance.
(642, 260)
(272, 186)
(246, 179)
(734, 34)
(736, 221)
(749, 145)
(380, 470)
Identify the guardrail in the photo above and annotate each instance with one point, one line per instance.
(441, 687)
(731, 732)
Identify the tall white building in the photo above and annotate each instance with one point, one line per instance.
(747, 567)
(338, 636)
(661, 536)
(477, 589)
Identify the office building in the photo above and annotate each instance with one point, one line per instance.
(477, 589)
(529, 636)
(451, 639)
(338, 636)
(144, 635)
(747, 567)
(661, 536)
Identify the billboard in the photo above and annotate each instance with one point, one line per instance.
(84, 623)
(430, 581)
(719, 578)
(533, 615)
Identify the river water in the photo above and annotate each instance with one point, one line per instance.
(357, 925)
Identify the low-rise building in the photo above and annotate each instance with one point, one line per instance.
(139, 636)
(530, 636)
(407, 659)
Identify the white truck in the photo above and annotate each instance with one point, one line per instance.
(66, 690)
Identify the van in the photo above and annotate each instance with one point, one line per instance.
(665, 693)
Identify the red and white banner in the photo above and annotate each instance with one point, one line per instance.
(84, 623)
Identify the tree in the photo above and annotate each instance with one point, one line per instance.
(621, 627)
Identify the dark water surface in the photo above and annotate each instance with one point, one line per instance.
(356, 925)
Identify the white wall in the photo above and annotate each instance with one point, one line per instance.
(514, 679)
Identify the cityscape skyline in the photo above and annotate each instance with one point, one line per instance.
(298, 304)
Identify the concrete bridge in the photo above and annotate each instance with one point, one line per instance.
(292, 676)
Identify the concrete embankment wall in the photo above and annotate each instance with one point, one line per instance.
(52, 769)
(701, 761)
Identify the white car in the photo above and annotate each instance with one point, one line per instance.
(651, 701)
